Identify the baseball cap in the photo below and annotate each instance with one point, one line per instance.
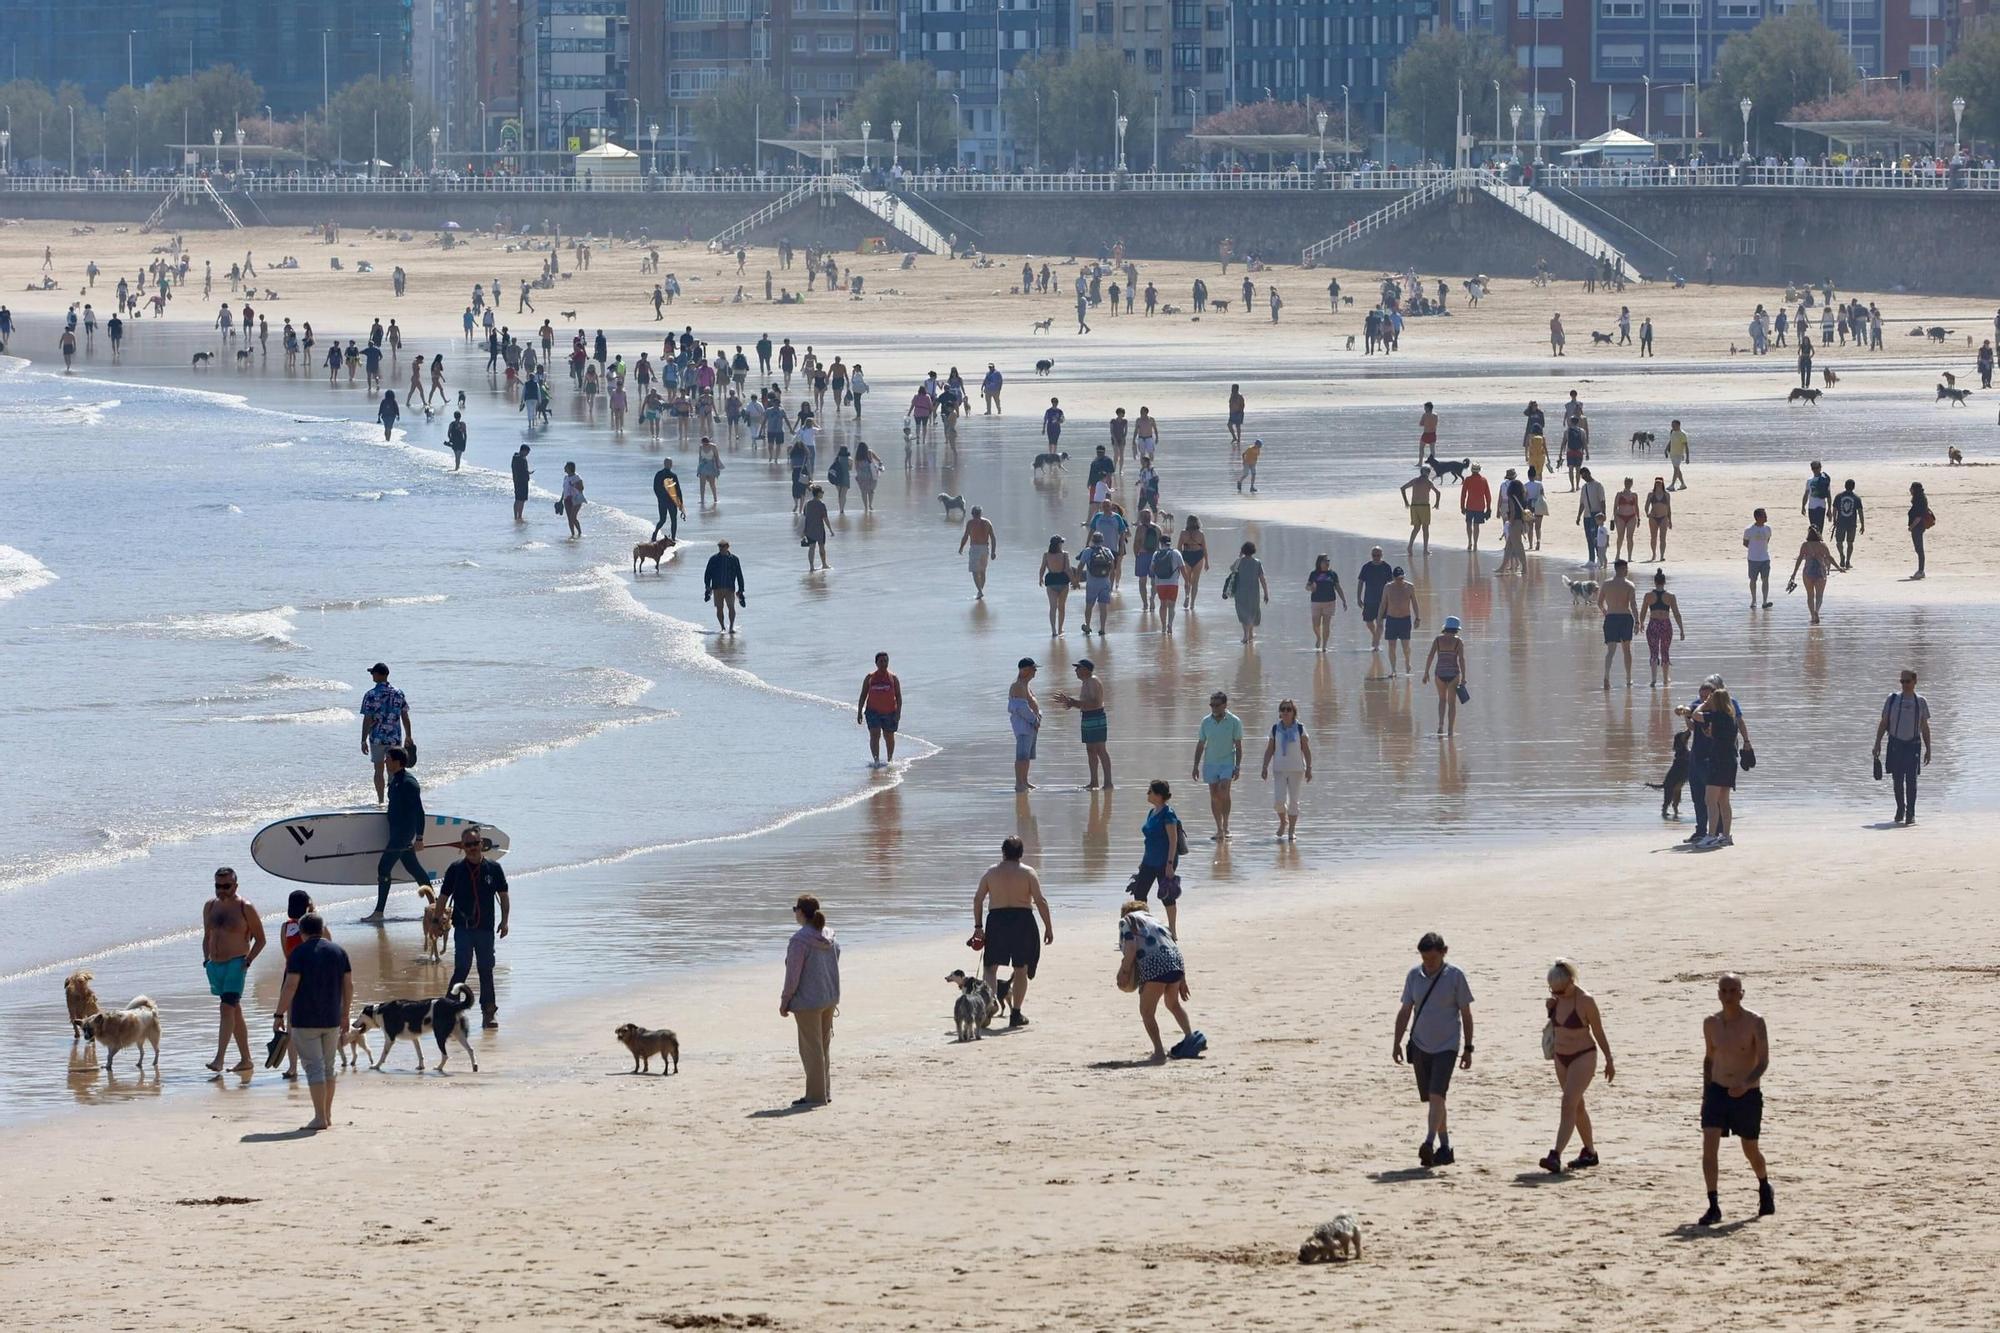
(379, 669)
(1026, 664)
(1085, 664)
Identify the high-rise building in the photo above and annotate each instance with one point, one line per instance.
(296, 53)
(572, 57)
(681, 52)
(975, 46)
(825, 49)
(1181, 48)
(1340, 54)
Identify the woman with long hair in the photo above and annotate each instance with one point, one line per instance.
(1055, 576)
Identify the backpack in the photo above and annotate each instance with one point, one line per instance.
(1163, 563)
(1101, 562)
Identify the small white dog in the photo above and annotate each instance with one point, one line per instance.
(1582, 592)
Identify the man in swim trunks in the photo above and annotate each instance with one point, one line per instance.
(722, 582)
(1849, 521)
(881, 708)
(1736, 1050)
(1099, 562)
(1089, 700)
(1374, 577)
(1818, 494)
(1757, 546)
(1418, 494)
(1475, 503)
(232, 935)
(1024, 716)
(1619, 602)
(979, 544)
(1427, 439)
(1218, 759)
(1003, 924)
(1399, 616)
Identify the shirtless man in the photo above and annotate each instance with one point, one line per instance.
(1003, 924)
(1427, 440)
(1399, 617)
(1419, 493)
(1089, 700)
(1736, 1052)
(232, 935)
(1619, 601)
(984, 544)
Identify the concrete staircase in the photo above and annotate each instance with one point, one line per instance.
(1564, 226)
(818, 185)
(905, 219)
(1429, 192)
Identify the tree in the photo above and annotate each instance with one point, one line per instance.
(729, 120)
(1081, 100)
(1973, 72)
(1425, 86)
(1269, 117)
(372, 118)
(1779, 64)
(896, 94)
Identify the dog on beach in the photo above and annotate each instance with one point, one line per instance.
(652, 551)
(1807, 396)
(243, 357)
(567, 314)
(1220, 307)
(1044, 366)
(443, 1017)
(1045, 325)
(437, 925)
(353, 1045)
(1441, 470)
(1957, 397)
(1949, 378)
(1339, 1239)
(972, 1012)
(135, 1025)
(1582, 592)
(1054, 460)
(201, 359)
(645, 1043)
(1827, 379)
(1350, 342)
(1670, 786)
(1952, 457)
(80, 998)
(1600, 339)
(1642, 442)
(1170, 309)
(951, 503)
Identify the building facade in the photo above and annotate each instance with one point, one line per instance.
(295, 53)
(975, 46)
(572, 57)
(1182, 50)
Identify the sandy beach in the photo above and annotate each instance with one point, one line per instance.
(1044, 1177)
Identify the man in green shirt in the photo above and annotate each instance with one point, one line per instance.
(1218, 758)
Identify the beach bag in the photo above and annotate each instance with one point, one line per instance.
(1229, 585)
(1549, 1037)
(1128, 974)
(1927, 521)
(1464, 695)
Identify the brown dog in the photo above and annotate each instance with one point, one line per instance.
(437, 925)
(136, 1026)
(81, 999)
(652, 551)
(645, 1043)
(353, 1046)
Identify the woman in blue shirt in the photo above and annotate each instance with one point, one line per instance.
(1159, 862)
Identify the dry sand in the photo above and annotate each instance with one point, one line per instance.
(1037, 1180)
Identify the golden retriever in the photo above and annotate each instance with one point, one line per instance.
(437, 925)
(81, 999)
(135, 1025)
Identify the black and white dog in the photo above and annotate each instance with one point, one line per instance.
(443, 1017)
(1054, 460)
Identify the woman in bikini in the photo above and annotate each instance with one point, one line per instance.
(1055, 577)
(1625, 521)
(1193, 546)
(1814, 564)
(1575, 1036)
(1447, 662)
(1659, 517)
(1663, 613)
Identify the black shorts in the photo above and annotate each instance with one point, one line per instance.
(1433, 1072)
(1013, 940)
(1742, 1116)
(1142, 884)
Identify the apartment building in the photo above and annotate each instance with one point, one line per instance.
(1181, 48)
(572, 57)
(976, 45)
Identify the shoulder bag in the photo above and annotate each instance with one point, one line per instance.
(1410, 1047)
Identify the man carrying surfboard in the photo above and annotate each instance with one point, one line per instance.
(406, 830)
(385, 722)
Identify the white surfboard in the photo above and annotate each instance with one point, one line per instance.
(344, 847)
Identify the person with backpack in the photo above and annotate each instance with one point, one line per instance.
(1099, 563)
(1167, 566)
(1145, 542)
(1906, 721)
(1288, 760)
(881, 708)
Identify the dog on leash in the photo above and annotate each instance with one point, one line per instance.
(1045, 325)
(442, 1017)
(972, 1012)
(1953, 458)
(1054, 460)
(645, 1043)
(1441, 470)
(437, 925)
(1339, 1239)
(1956, 397)
(652, 551)
(1642, 442)
(1600, 339)
(1582, 592)
(1810, 397)
(952, 503)
(1827, 379)
(135, 1025)
(1044, 366)
(80, 998)
(1670, 786)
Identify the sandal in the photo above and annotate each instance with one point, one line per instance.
(1552, 1164)
(1586, 1158)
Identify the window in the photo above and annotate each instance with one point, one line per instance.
(1131, 20)
(1187, 56)
(1740, 9)
(1923, 57)
(1621, 9)
(801, 43)
(1217, 60)
(1539, 57)
(1218, 20)
(1622, 55)
(1187, 13)
(1680, 9)
(1087, 24)
(1548, 9)
(1104, 20)
(1154, 17)
(1676, 55)
(1152, 60)
(878, 43)
(1925, 9)
(835, 42)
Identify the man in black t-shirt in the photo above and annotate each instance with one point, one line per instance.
(521, 475)
(1374, 577)
(314, 1006)
(476, 888)
(1848, 522)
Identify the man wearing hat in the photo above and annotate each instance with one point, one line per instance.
(1089, 700)
(1024, 715)
(385, 723)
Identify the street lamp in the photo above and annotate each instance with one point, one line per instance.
(1321, 120)
(1038, 132)
(1122, 123)
(1346, 120)
(957, 128)
(867, 132)
(1647, 79)
(434, 150)
(1117, 114)
(72, 139)
(653, 130)
(895, 144)
(1540, 112)
(1514, 115)
(1957, 122)
(1572, 113)
(6, 138)
(1496, 115)
(217, 136)
(1744, 107)
(239, 150)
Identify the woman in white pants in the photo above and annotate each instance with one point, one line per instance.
(1288, 762)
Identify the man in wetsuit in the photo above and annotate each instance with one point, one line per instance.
(1003, 925)
(406, 830)
(667, 495)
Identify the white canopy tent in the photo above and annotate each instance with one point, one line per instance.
(607, 159)
(1615, 146)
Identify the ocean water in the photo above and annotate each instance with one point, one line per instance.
(205, 565)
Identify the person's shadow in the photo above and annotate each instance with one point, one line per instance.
(1695, 1231)
(1401, 1175)
(780, 1112)
(278, 1136)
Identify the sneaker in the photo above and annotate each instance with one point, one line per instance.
(1767, 1203)
(1019, 1020)
(1711, 1217)
(1444, 1157)
(1724, 841)
(1426, 1155)
(1586, 1158)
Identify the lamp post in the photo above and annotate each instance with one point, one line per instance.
(1957, 123)
(653, 131)
(239, 150)
(216, 135)
(434, 150)
(1572, 113)
(1514, 116)
(1038, 132)
(1156, 134)
(6, 138)
(1647, 79)
(1117, 114)
(957, 129)
(867, 132)
(895, 145)
(1122, 122)
(72, 139)
(1321, 120)
(1540, 112)
(1496, 115)
(482, 138)
(1744, 107)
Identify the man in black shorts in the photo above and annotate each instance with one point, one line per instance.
(1374, 576)
(521, 475)
(1436, 1009)
(1003, 924)
(1736, 1052)
(1848, 522)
